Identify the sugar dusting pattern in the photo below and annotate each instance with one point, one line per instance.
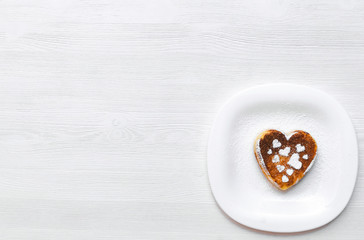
(289, 171)
(294, 160)
(260, 158)
(285, 178)
(275, 159)
(276, 143)
(300, 148)
(280, 168)
(284, 152)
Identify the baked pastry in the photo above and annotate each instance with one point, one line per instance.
(285, 159)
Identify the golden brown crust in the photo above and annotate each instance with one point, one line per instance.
(274, 161)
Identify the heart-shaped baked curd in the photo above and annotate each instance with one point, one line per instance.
(285, 159)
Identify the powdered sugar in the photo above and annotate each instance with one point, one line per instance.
(300, 148)
(280, 168)
(285, 151)
(284, 178)
(289, 135)
(276, 143)
(289, 171)
(260, 158)
(294, 161)
(275, 159)
(269, 151)
(309, 166)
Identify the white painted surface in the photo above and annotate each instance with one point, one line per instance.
(106, 107)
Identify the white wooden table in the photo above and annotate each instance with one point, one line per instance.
(106, 107)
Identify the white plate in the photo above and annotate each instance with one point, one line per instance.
(239, 186)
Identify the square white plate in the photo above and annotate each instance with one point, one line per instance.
(239, 186)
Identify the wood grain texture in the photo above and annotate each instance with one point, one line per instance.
(106, 107)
